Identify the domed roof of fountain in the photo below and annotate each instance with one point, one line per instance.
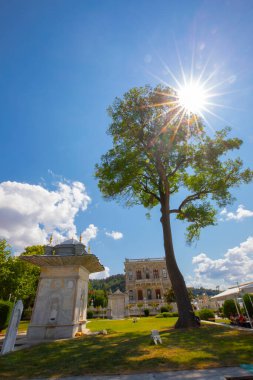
(70, 247)
(70, 241)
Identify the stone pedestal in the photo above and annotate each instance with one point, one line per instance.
(61, 301)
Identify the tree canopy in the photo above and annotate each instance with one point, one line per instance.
(156, 152)
(18, 279)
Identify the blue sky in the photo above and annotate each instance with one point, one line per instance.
(62, 63)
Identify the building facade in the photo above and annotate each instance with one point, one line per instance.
(147, 280)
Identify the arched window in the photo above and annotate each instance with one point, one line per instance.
(156, 273)
(158, 294)
(149, 294)
(147, 273)
(140, 295)
(138, 275)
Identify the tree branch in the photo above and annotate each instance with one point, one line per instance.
(148, 191)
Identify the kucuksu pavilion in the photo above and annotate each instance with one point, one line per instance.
(60, 309)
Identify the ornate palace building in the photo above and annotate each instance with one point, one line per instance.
(146, 280)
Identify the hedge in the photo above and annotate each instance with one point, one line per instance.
(5, 313)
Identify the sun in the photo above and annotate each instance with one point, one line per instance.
(192, 98)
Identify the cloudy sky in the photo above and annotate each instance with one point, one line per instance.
(62, 63)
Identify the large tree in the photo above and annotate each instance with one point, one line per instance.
(159, 152)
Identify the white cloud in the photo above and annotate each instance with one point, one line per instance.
(235, 266)
(240, 214)
(115, 235)
(89, 233)
(100, 275)
(30, 213)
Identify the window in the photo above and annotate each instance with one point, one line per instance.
(147, 273)
(138, 275)
(130, 275)
(156, 273)
(149, 294)
(158, 294)
(131, 295)
(140, 295)
(164, 273)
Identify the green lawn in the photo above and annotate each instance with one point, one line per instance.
(128, 348)
(23, 325)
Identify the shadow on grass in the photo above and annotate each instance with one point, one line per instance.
(206, 347)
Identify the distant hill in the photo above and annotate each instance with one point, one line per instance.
(200, 291)
(111, 283)
(117, 281)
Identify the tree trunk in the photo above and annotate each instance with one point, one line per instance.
(186, 314)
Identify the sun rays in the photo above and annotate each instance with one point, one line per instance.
(194, 98)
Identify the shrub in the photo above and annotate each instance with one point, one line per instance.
(5, 313)
(164, 309)
(206, 314)
(229, 308)
(89, 314)
(146, 312)
(175, 314)
(163, 315)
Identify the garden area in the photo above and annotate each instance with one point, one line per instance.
(128, 347)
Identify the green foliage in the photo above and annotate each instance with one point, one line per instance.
(33, 250)
(164, 315)
(154, 155)
(167, 315)
(220, 311)
(229, 308)
(164, 309)
(18, 279)
(206, 314)
(170, 295)
(89, 314)
(248, 300)
(146, 312)
(97, 298)
(27, 314)
(5, 313)
(111, 283)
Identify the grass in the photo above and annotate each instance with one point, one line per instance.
(128, 348)
(23, 325)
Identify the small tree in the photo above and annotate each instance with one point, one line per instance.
(229, 308)
(248, 300)
(159, 152)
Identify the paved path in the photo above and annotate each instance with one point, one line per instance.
(205, 374)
